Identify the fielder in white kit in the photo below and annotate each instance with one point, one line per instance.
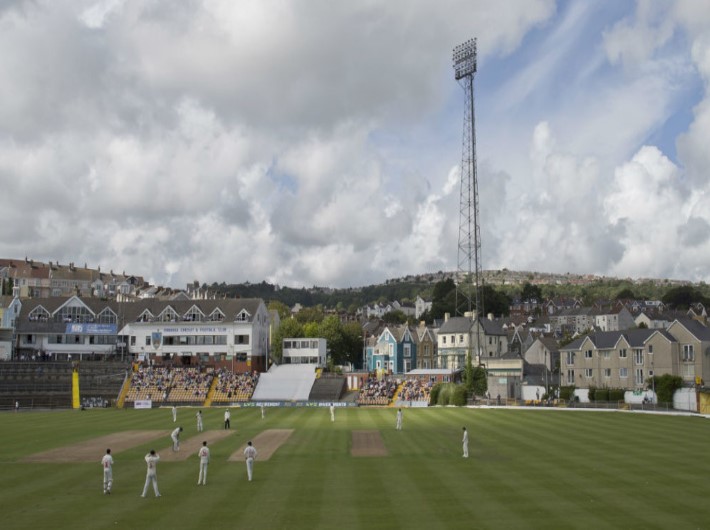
(107, 464)
(204, 455)
(249, 456)
(152, 460)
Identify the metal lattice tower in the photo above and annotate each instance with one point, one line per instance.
(468, 282)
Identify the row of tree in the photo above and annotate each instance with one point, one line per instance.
(345, 341)
(495, 300)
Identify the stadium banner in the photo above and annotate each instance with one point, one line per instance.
(248, 404)
(411, 404)
(91, 329)
(143, 404)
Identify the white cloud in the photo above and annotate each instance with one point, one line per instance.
(312, 142)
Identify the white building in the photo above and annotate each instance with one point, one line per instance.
(305, 351)
(227, 331)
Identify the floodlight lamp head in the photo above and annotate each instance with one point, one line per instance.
(464, 58)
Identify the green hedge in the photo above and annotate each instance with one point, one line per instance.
(448, 394)
(567, 393)
(616, 394)
(601, 394)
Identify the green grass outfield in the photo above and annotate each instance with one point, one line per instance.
(543, 469)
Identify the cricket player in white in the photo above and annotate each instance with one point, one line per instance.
(174, 413)
(199, 421)
(227, 418)
(204, 455)
(175, 436)
(263, 412)
(107, 463)
(399, 419)
(332, 412)
(152, 460)
(250, 455)
(465, 443)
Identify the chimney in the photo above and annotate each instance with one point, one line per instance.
(490, 316)
(446, 317)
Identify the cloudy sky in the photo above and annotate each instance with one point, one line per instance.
(312, 142)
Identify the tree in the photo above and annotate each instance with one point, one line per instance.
(394, 317)
(330, 330)
(530, 292)
(289, 328)
(443, 299)
(496, 302)
(353, 343)
(310, 314)
(468, 374)
(625, 294)
(683, 296)
(282, 309)
(665, 386)
(480, 381)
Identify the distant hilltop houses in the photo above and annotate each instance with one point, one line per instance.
(508, 277)
(35, 279)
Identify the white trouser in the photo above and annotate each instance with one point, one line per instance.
(108, 479)
(148, 480)
(250, 467)
(465, 449)
(202, 478)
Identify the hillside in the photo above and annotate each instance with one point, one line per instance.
(405, 289)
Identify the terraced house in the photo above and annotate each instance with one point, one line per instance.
(626, 359)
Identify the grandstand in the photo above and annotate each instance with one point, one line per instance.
(189, 385)
(292, 382)
(414, 391)
(45, 384)
(231, 387)
(377, 392)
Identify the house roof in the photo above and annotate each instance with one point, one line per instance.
(130, 311)
(608, 339)
(463, 325)
(698, 330)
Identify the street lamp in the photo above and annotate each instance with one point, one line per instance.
(653, 377)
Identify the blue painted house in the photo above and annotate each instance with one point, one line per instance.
(394, 351)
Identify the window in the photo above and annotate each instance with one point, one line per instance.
(570, 377)
(107, 317)
(244, 339)
(588, 354)
(688, 352)
(133, 340)
(638, 357)
(650, 348)
(639, 376)
(622, 353)
(193, 315)
(168, 315)
(623, 373)
(607, 373)
(443, 339)
(147, 340)
(570, 357)
(588, 373)
(460, 339)
(407, 350)
(606, 355)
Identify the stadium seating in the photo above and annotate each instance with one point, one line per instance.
(377, 392)
(233, 387)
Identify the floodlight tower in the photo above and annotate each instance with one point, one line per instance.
(469, 251)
